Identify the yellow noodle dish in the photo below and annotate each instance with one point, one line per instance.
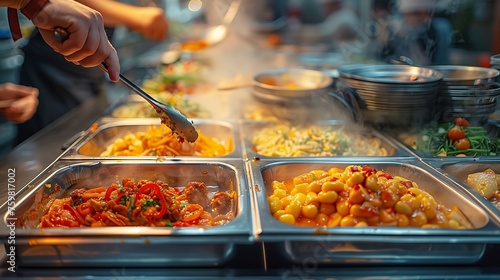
(291, 141)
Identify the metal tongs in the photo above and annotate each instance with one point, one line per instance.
(169, 116)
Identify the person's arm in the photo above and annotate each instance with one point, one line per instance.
(87, 44)
(149, 21)
(24, 101)
(16, 4)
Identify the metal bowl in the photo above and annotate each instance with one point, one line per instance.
(466, 75)
(495, 59)
(291, 83)
(393, 94)
(390, 74)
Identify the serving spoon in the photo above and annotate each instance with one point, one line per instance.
(169, 116)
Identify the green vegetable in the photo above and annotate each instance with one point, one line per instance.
(433, 140)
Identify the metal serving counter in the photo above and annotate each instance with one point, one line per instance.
(263, 259)
(277, 251)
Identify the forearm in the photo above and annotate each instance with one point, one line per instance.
(114, 13)
(16, 4)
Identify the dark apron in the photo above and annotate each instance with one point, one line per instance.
(62, 85)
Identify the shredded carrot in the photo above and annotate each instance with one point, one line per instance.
(160, 141)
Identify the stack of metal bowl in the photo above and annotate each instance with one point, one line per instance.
(468, 92)
(495, 62)
(292, 93)
(392, 94)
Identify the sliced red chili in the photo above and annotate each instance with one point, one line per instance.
(158, 194)
(118, 197)
(177, 191)
(109, 191)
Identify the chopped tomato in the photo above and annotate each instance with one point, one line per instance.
(456, 133)
(462, 144)
(461, 122)
(387, 176)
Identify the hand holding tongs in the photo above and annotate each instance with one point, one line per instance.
(169, 116)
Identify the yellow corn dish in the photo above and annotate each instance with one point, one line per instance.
(358, 197)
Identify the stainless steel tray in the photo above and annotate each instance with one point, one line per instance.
(492, 127)
(109, 129)
(131, 246)
(458, 171)
(248, 128)
(370, 245)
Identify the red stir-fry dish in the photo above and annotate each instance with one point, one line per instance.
(144, 203)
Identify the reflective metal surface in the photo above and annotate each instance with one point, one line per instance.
(129, 246)
(370, 245)
(111, 129)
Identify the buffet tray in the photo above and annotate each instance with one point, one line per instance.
(249, 128)
(393, 134)
(107, 130)
(128, 246)
(458, 171)
(372, 245)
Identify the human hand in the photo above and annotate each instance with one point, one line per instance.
(150, 22)
(87, 44)
(24, 105)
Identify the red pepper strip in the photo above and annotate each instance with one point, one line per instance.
(74, 213)
(84, 209)
(109, 191)
(117, 199)
(159, 195)
(177, 191)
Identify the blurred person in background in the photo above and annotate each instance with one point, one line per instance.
(64, 85)
(18, 102)
(417, 34)
(325, 21)
(17, 105)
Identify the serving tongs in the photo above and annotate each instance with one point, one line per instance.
(169, 116)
